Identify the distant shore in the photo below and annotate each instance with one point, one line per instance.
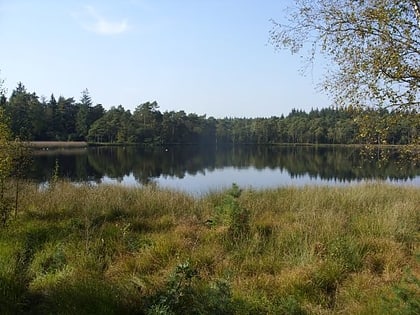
(84, 144)
(57, 144)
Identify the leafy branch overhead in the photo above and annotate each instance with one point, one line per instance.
(374, 46)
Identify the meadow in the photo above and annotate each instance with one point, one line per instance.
(82, 249)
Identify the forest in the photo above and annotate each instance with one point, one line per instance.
(34, 118)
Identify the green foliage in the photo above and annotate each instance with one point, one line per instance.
(65, 119)
(374, 49)
(114, 126)
(234, 191)
(290, 305)
(21, 160)
(6, 206)
(178, 291)
(5, 157)
(232, 214)
(55, 176)
(25, 113)
(186, 294)
(404, 299)
(6, 168)
(374, 46)
(85, 116)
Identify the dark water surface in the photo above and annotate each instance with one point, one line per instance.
(199, 170)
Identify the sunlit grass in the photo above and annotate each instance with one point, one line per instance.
(310, 250)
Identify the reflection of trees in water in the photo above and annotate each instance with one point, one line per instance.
(113, 162)
(175, 162)
(73, 165)
(335, 163)
(346, 164)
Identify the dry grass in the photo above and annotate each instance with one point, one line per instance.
(311, 250)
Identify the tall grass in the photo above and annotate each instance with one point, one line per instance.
(118, 250)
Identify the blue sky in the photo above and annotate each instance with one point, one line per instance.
(203, 56)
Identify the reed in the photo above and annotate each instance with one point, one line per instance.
(311, 250)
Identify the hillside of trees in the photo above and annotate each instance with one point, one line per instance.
(34, 118)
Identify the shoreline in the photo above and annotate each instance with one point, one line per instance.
(57, 144)
(84, 144)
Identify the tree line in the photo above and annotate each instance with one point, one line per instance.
(33, 118)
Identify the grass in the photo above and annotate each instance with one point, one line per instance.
(119, 250)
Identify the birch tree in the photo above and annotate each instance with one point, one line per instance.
(372, 48)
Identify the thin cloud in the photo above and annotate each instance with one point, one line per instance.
(93, 21)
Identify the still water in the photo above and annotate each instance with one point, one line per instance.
(198, 170)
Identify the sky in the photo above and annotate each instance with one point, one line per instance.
(208, 57)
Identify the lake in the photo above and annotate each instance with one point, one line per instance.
(198, 170)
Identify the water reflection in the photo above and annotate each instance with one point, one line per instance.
(183, 165)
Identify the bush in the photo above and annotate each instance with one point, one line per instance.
(186, 293)
(236, 217)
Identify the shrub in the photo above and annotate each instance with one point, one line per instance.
(187, 293)
(236, 217)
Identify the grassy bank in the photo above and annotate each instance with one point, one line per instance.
(116, 250)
